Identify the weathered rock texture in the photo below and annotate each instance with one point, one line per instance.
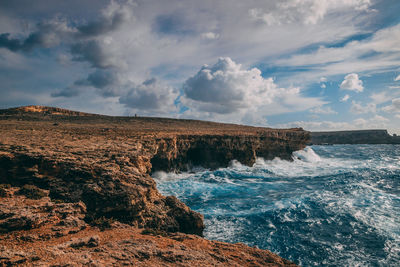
(99, 168)
(354, 137)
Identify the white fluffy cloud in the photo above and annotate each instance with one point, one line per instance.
(352, 82)
(226, 88)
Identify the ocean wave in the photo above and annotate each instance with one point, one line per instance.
(331, 205)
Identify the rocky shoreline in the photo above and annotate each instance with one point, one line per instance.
(79, 185)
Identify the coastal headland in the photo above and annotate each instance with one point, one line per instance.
(76, 188)
(378, 136)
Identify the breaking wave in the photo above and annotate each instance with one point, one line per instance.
(332, 205)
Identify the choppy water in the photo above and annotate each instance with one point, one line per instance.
(333, 205)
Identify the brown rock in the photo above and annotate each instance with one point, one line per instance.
(96, 168)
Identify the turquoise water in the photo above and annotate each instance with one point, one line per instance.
(332, 206)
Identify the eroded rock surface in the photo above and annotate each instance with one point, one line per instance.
(95, 170)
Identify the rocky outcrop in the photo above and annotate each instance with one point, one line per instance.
(60, 237)
(103, 165)
(354, 137)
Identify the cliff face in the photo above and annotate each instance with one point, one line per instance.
(105, 163)
(181, 153)
(354, 137)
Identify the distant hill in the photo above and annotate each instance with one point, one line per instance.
(34, 109)
(379, 136)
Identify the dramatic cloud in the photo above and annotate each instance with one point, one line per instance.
(51, 33)
(352, 82)
(91, 52)
(48, 34)
(112, 19)
(228, 88)
(150, 96)
(95, 55)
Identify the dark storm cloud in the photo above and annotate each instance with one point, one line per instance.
(102, 26)
(53, 32)
(67, 92)
(92, 52)
(102, 79)
(10, 43)
(105, 82)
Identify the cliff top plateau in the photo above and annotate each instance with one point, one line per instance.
(76, 188)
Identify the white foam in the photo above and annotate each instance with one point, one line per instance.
(307, 155)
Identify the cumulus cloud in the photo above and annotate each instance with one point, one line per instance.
(227, 88)
(358, 108)
(150, 96)
(352, 82)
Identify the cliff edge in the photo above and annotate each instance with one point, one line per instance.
(79, 184)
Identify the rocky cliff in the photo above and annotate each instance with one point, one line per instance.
(354, 137)
(86, 172)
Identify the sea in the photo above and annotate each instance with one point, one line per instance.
(336, 205)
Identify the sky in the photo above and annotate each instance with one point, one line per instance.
(317, 64)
